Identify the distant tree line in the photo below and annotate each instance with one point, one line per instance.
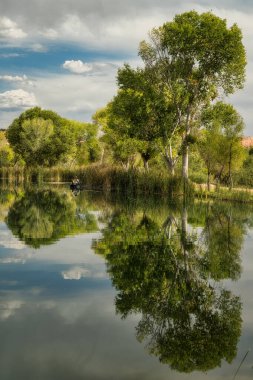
(43, 138)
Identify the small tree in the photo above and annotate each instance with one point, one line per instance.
(220, 146)
(40, 137)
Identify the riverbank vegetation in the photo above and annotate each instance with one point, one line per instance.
(167, 128)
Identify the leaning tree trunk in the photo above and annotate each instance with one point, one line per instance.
(170, 160)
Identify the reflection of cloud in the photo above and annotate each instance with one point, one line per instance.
(77, 273)
(18, 259)
(9, 308)
(12, 260)
(10, 242)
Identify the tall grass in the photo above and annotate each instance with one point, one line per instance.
(119, 180)
(112, 179)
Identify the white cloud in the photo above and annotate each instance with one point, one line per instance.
(80, 67)
(77, 67)
(49, 33)
(10, 30)
(75, 96)
(38, 47)
(10, 78)
(9, 55)
(17, 99)
(122, 33)
(16, 78)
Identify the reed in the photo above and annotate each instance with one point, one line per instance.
(113, 179)
(242, 195)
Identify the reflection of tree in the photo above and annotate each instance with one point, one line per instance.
(6, 199)
(44, 216)
(223, 234)
(165, 273)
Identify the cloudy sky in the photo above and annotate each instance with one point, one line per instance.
(64, 55)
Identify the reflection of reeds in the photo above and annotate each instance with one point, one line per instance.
(12, 175)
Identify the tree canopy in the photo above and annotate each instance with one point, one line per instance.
(188, 63)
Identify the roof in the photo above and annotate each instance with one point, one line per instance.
(247, 142)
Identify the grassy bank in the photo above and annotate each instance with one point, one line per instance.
(121, 181)
(241, 195)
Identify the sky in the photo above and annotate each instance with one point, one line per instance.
(64, 55)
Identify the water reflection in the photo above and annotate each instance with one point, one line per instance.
(170, 267)
(169, 272)
(39, 217)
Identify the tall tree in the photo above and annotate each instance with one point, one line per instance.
(195, 57)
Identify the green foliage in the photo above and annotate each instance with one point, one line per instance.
(244, 177)
(139, 112)
(224, 230)
(87, 148)
(167, 274)
(201, 51)
(44, 216)
(6, 153)
(193, 58)
(39, 124)
(43, 138)
(220, 143)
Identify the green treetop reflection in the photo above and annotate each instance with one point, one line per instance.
(45, 216)
(168, 272)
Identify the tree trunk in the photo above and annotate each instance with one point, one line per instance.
(145, 163)
(146, 157)
(171, 164)
(185, 162)
(230, 181)
(208, 180)
(184, 240)
(185, 153)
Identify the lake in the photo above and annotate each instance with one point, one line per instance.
(96, 287)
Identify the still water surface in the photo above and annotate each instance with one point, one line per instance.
(94, 288)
